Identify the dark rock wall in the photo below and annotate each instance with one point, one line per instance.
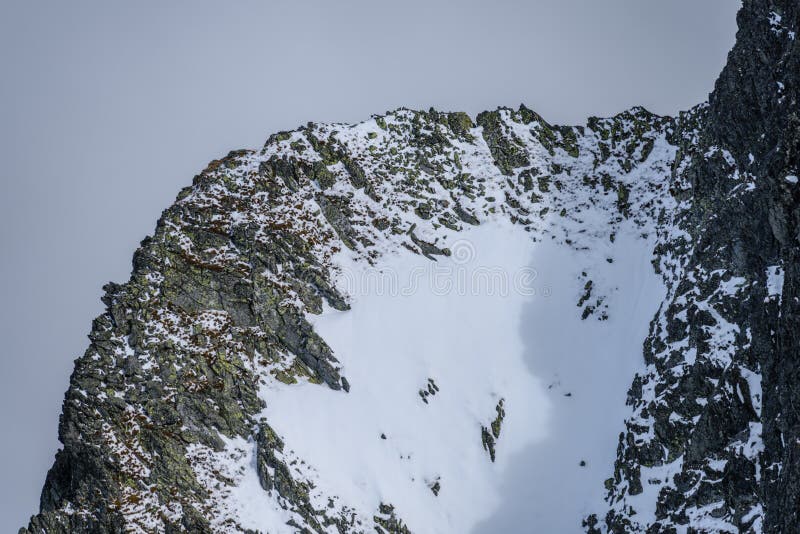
(754, 110)
(727, 458)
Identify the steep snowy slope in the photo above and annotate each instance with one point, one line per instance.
(370, 326)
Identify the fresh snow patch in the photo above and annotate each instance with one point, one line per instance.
(497, 320)
(775, 20)
(248, 501)
(774, 282)
(594, 362)
(464, 336)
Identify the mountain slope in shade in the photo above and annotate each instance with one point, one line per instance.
(429, 323)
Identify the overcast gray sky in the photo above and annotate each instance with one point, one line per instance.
(107, 108)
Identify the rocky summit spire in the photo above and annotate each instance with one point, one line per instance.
(168, 423)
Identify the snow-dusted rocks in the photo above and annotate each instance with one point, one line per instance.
(334, 325)
(425, 323)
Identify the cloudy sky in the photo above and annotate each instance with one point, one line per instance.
(108, 108)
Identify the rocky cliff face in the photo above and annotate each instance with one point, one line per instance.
(164, 420)
(714, 434)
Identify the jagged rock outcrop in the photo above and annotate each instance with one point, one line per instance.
(163, 418)
(714, 433)
(168, 396)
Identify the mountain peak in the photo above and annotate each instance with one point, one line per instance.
(383, 326)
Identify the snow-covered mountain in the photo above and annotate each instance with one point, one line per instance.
(426, 322)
